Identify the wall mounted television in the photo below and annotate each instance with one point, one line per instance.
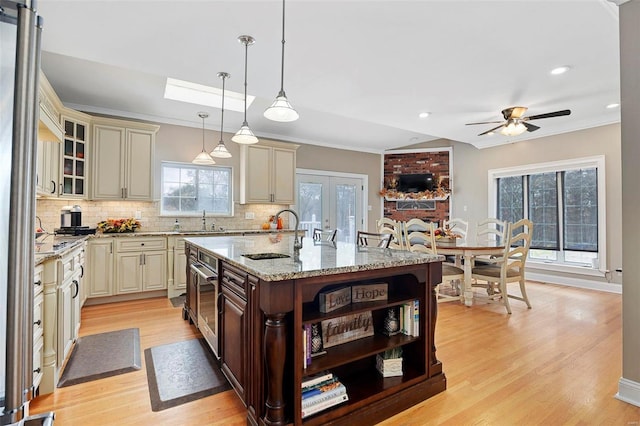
(418, 182)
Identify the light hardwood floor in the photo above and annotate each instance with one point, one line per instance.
(556, 364)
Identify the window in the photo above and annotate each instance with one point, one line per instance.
(561, 199)
(188, 189)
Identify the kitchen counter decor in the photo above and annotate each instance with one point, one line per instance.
(119, 225)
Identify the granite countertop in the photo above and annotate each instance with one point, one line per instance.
(186, 233)
(316, 258)
(55, 246)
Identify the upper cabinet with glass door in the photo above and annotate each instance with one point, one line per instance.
(74, 157)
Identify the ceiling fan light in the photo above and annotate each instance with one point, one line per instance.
(203, 159)
(281, 110)
(513, 129)
(245, 136)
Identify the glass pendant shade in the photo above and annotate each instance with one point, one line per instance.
(221, 150)
(245, 136)
(281, 110)
(203, 159)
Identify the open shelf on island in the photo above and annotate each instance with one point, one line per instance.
(357, 349)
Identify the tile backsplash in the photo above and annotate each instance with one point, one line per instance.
(48, 210)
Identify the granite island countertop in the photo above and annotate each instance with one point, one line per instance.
(316, 258)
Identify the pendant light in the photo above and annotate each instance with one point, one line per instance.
(221, 151)
(245, 136)
(281, 109)
(203, 158)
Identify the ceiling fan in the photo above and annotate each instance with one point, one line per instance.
(516, 124)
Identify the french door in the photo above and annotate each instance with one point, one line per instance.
(331, 202)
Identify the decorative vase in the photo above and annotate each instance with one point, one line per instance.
(391, 323)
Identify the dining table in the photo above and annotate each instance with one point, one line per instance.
(467, 251)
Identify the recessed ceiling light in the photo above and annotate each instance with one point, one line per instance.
(194, 93)
(611, 106)
(560, 70)
(424, 114)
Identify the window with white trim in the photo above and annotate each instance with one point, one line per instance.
(561, 199)
(189, 189)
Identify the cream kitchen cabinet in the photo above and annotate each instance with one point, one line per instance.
(100, 256)
(177, 260)
(267, 173)
(50, 136)
(48, 168)
(70, 274)
(141, 264)
(38, 326)
(74, 155)
(123, 160)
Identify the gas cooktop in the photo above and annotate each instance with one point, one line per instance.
(52, 245)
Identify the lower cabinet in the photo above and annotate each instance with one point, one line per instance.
(100, 267)
(70, 272)
(141, 264)
(234, 327)
(38, 326)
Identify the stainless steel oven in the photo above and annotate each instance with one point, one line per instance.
(207, 286)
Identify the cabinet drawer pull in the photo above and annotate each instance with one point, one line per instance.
(39, 282)
(81, 270)
(77, 289)
(53, 191)
(37, 322)
(37, 370)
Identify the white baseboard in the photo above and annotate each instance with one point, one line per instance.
(628, 391)
(582, 282)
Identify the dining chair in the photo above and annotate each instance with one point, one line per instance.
(415, 231)
(324, 234)
(425, 242)
(489, 229)
(393, 227)
(373, 239)
(457, 226)
(508, 268)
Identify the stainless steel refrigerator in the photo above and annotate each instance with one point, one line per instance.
(20, 29)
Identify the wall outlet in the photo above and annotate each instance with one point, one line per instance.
(249, 215)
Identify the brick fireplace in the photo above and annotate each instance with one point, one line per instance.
(428, 206)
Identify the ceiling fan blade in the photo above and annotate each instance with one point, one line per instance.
(491, 130)
(549, 115)
(530, 127)
(484, 122)
(513, 112)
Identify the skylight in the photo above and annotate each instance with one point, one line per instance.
(194, 93)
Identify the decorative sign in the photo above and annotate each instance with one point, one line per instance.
(345, 329)
(369, 293)
(335, 299)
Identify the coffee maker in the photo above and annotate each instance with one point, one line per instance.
(71, 222)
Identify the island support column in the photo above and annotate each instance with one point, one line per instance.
(275, 351)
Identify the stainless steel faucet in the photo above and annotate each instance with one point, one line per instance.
(297, 244)
(204, 221)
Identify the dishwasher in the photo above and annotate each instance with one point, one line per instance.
(207, 288)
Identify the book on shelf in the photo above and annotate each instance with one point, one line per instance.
(323, 405)
(322, 394)
(304, 347)
(307, 343)
(410, 318)
(318, 387)
(316, 378)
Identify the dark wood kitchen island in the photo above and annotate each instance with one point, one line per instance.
(264, 305)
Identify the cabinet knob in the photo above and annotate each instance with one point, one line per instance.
(39, 282)
(37, 370)
(141, 244)
(37, 322)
